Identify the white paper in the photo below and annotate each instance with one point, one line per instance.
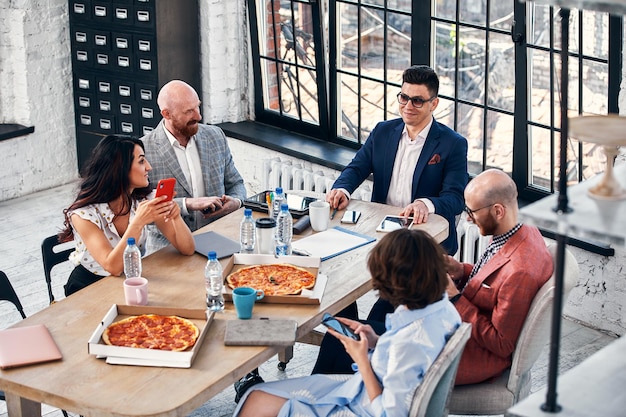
(330, 243)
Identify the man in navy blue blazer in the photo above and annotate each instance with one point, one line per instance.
(417, 163)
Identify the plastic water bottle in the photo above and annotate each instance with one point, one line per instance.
(247, 232)
(214, 282)
(284, 231)
(132, 259)
(279, 197)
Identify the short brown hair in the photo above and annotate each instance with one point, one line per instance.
(408, 267)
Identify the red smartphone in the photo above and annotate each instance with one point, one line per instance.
(166, 187)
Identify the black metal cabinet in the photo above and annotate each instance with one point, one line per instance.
(123, 51)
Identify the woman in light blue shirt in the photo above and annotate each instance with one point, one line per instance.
(408, 270)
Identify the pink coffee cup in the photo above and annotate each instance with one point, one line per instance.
(136, 291)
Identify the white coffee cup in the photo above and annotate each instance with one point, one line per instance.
(319, 212)
(136, 291)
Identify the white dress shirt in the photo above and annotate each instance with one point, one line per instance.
(189, 161)
(401, 185)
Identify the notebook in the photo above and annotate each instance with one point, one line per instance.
(213, 241)
(28, 345)
(261, 332)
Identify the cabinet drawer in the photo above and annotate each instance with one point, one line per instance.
(80, 10)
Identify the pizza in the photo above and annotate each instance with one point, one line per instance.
(152, 331)
(273, 279)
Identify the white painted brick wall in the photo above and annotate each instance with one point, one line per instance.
(35, 79)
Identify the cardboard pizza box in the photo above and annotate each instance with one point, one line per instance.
(310, 263)
(148, 357)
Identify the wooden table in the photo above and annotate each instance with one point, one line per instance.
(83, 384)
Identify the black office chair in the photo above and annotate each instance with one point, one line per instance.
(7, 293)
(51, 257)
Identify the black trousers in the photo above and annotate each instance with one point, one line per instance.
(332, 357)
(79, 279)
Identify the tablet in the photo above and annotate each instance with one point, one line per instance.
(298, 205)
(391, 223)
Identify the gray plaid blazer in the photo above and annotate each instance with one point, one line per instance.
(218, 170)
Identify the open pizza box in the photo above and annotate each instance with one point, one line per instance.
(310, 263)
(120, 355)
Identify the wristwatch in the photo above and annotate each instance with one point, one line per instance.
(454, 299)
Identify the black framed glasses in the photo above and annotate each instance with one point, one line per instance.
(417, 102)
(471, 212)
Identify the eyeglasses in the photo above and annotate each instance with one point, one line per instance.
(417, 102)
(471, 212)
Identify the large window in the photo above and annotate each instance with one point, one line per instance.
(332, 69)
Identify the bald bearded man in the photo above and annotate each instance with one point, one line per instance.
(208, 185)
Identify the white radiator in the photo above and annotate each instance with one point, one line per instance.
(471, 243)
(290, 176)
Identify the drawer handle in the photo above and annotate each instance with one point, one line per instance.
(144, 46)
(121, 43)
(145, 94)
(127, 127)
(123, 61)
(121, 14)
(101, 40)
(143, 16)
(147, 129)
(126, 109)
(145, 64)
(85, 120)
(79, 8)
(105, 105)
(81, 56)
(147, 113)
(105, 124)
(100, 11)
(84, 102)
(104, 87)
(124, 90)
(83, 84)
(80, 37)
(103, 59)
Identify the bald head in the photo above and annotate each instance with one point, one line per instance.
(180, 108)
(174, 94)
(493, 186)
(492, 195)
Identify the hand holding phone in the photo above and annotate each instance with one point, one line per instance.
(332, 323)
(166, 187)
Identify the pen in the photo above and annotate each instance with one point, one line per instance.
(332, 216)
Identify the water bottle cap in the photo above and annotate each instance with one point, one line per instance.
(279, 190)
(131, 241)
(247, 212)
(212, 255)
(284, 206)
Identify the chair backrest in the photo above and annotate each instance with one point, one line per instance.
(52, 256)
(432, 396)
(536, 329)
(7, 293)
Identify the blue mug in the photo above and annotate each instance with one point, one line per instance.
(244, 298)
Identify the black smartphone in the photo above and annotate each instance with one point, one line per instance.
(351, 217)
(332, 323)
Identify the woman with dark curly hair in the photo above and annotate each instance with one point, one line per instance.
(111, 206)
(408, 269)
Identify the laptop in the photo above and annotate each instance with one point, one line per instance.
(213, 241)
(28, 345)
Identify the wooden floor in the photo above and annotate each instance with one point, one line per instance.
(26, 221)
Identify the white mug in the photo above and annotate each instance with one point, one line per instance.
(319, 213)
